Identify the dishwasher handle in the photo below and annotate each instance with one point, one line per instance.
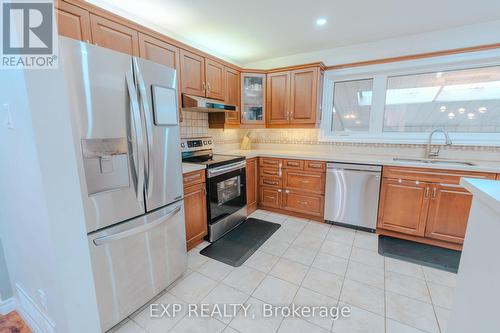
(355, 167)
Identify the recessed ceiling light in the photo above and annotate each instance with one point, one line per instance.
(482, 109)
(451, 115)
(442, 109)
(461, 110)
(321, 21)
(471, 115)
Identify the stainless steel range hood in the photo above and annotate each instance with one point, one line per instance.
(201, 104)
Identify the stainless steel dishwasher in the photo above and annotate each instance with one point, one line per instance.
(352, 194)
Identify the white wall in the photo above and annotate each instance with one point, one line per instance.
(472, 35)
(42, 221)
(5, 287)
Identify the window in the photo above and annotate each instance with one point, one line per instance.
(403, 102)
(465, 101)
(352, 105)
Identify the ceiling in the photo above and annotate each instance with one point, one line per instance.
(250, 31)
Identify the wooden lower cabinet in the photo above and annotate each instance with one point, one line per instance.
(288, 187)
(403, 206)
(426, 205)
(195, 207)
(303, 203)
(252, 185)
(448, 213)
(270, 197)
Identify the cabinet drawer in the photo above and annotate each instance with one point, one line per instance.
(304, 182)
(303, 203)
(270, 197)
(270, 172)
(271, 181)
(293, 164)
(270, 162)
(193, 178)
(433, 175)
(315, 166)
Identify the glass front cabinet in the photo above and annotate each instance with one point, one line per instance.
(253, 98)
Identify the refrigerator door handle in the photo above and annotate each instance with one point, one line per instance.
(136, 230)
(149, 125)
(136, 130)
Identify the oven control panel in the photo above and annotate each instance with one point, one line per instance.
(194, 144)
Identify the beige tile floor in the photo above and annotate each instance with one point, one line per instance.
(309, 263)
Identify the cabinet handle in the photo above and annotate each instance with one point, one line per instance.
(203, 86)
(270, 197)
(272, 173)
(304, 181)
(279, 190)
(315, 165)
(208, 86)
(434, 193)
(426, 192)
(267, 182)
(302, 202)
(293, 163)
(287, 191)
(400, 180)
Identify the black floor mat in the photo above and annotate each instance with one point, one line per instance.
(239, 244)
(422, 254)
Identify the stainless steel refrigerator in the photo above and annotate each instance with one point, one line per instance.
(126, 125)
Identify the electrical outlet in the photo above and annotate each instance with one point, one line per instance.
(9, 122)
(43, 300)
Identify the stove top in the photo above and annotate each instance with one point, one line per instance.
(199, 151)
(214, 160)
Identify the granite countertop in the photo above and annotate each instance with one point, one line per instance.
(485, 190)
(190, 167)
(481, 166)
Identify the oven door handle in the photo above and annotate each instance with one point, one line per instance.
(220, 170)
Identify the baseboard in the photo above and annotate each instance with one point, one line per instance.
(8, 305)
(32, 314)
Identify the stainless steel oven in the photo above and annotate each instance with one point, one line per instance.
(226, 198)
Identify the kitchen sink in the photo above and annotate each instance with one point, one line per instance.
(432, 160)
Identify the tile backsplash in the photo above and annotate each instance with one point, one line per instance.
(194, 124)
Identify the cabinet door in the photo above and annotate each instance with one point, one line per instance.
(195, 204)
(192, 74)
(215, 79)
(270, 197)
(303, 97)
(448, 213)
(304, 182)
(309, 204)
(158, 51)
(403, 206)
(115, 36)
(232, 91)
(253, 99)
(73, 22)
(251, 173)
(278, 98)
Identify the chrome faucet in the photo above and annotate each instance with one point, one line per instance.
(429, 153)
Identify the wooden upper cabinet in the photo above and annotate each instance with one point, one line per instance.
(304, 96)
(448, 213)
(215, 79)
(403, 206)
(192, 73)
(113, 35)
(232, 93)
(278, 98)
(158, 51)
(73, 22)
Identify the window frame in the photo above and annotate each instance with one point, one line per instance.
(379, 73)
